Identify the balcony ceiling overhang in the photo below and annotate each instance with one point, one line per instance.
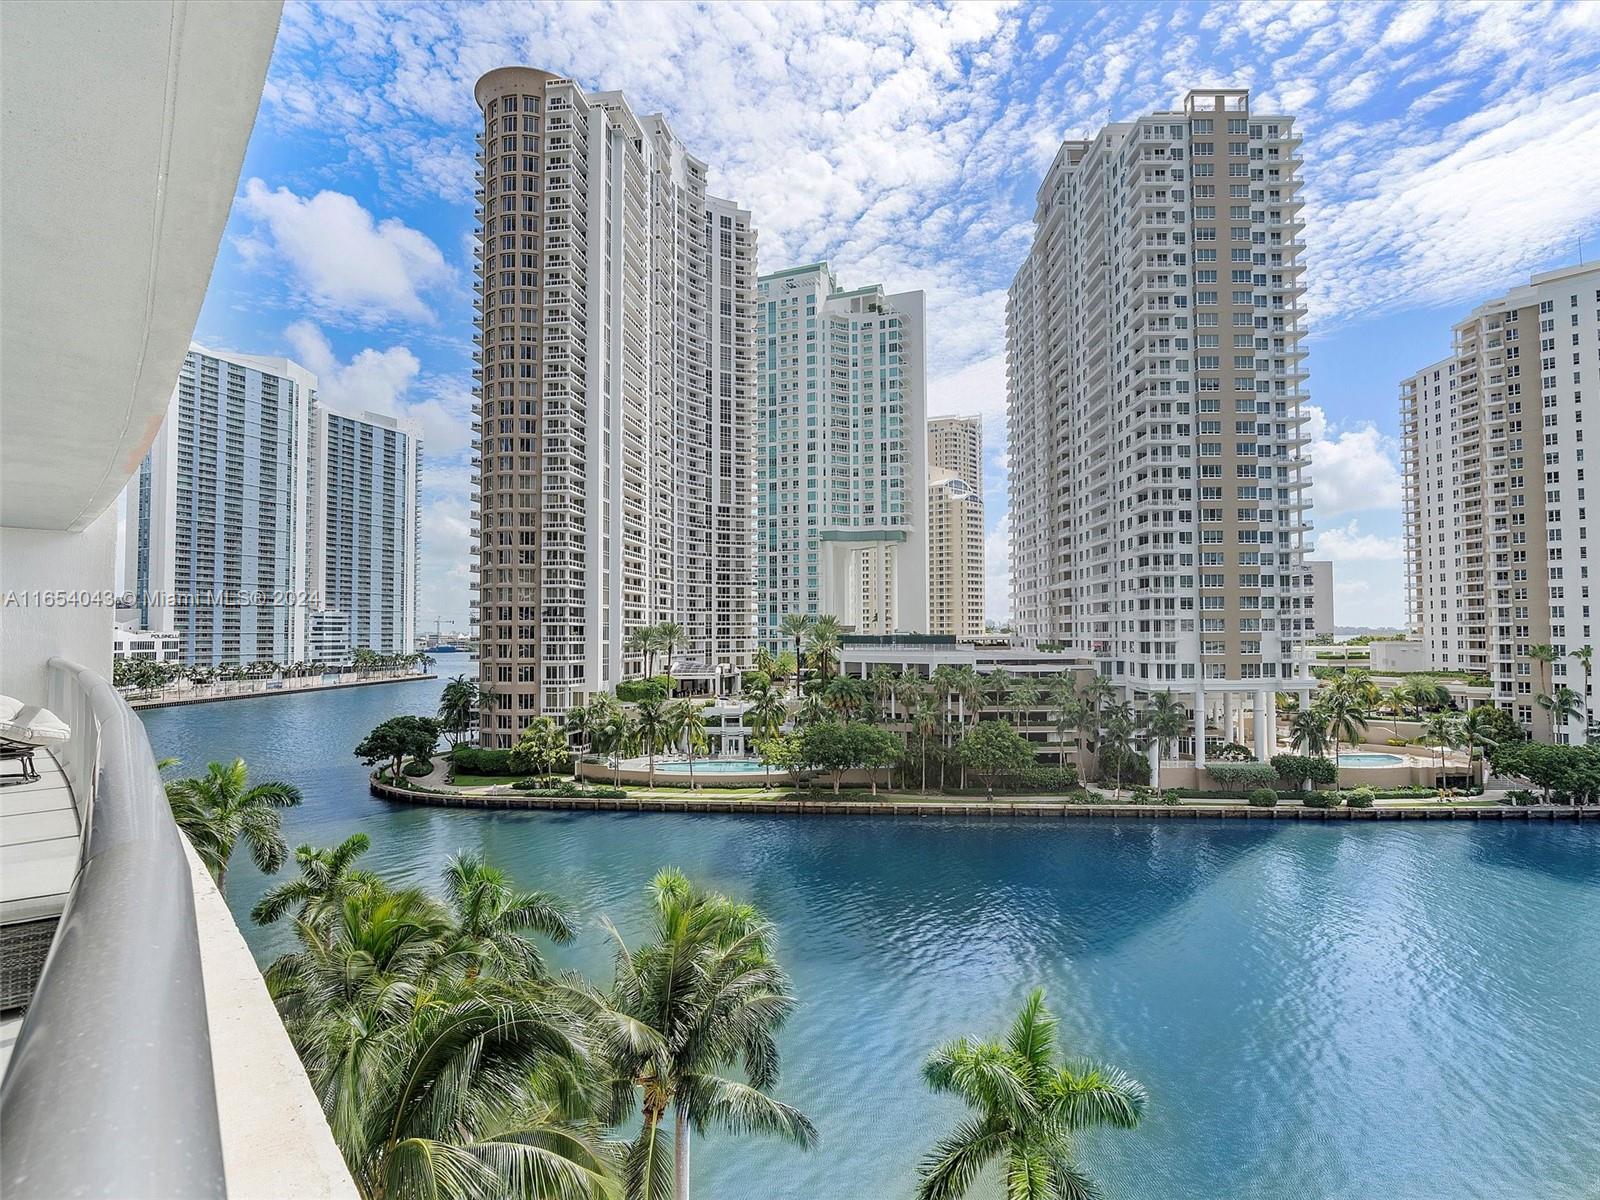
(123, 127)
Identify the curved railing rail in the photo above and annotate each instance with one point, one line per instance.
(110, 1090)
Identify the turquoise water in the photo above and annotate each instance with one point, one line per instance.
(720, 766)
(1320, 1011)
(1370, 760)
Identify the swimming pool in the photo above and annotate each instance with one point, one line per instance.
(1370, 760)
(713, 766)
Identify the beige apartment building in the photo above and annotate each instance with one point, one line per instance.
(1155, 414)
(955, 527)
(616, 385)
(1497, 532)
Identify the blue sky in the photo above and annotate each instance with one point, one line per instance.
(1450, 149)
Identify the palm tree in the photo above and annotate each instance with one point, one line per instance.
(1164, 720)
(705, 993)
(765, 716)
(490, 917)
(581, 723)
(1400, 698)
(219, 808)
(846, 695)
(763, 661)
(1119, 734)
(924, 725)
(326, 880)
(1344, 712)
(1562, 707)
(1096, 691)
(641, 641)
(909, 692)
(1025, 696)
(969, 690)
(796, 625)
(823, 639)
(883, 681)
(687, 721)
(997, 686)
(669, 636)
(1308, 731)
(1073, 716)
(457, 702)
(611, 731)
(1026, 1108)
(1543, 654)
(1478, 732)
(813, 707)
(1441, 733)
(653, 727)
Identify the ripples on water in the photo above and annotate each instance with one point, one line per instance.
(1318, 1011)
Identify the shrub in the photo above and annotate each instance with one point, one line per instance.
(475, 760)
(1521, 797)
(1135, 767)
(1298, 769)
(1170, 796)
(1242, 776)
(1396, 741)
(1233, 752)
(635, 691)
(1359, 797)
(1263, 798)
(1320, 800)
(417, 769)
(1044, 778)
(568, 790)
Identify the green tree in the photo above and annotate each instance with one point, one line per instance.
(220, 807)
(490, 916)
(1479, 731)
(993, 748)
(1345, 713)
(670, 635)
(784, 667)
(703, 994)
(398, 739)
(786, 751)
(1165, 719)
(846, 696)
(580, 724)
(1308, 731)
(925, 722)
(1544, 654)
(1440, 730)
(541, 749)
(327, 879)
(641, 640)
(1585, 657)
(1120, 738)
(1027, 1108)
(997, 687)
(1562, 707)
(653, 725)
(687, 720)
(458, 703)
(797, 626)
(765, 715)
(823, 638)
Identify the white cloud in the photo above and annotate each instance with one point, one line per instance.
(346, 263)
(381, 381)
(997, 570)
(1352, 470)
(1349, 544)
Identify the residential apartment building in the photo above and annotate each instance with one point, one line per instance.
(265, 526)
(217, 527)
(841, 454)
(1497, 532)
(1320, 619)
(955, 526)
(615, 329)
(1155, 390)
(366, 480)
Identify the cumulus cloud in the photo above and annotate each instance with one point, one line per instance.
(1352, 470)
(345, 262)
(1349, 544)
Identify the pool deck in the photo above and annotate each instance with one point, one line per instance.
(1043, 806)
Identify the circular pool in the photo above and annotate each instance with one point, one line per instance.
(1370, 760)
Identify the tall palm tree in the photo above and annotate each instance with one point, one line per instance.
(883, 680)
(1562, 707)
(669, 636)
(823, 638)
(1073, 716)
(812, 707)
(703, 994)
(687, 721)
(1344, 711)
(1441, 733)
(580, 724)
(997, 685)
(1096, 691)
(327, 878)
(1027, 1106)
(457, 703)
(1543, 654)
(1025, 697)
(1165, 719)
(217, 809)
(911, 690)
(765, 716)
(641, 641)
(1308, 731)
(1400, 698)
(1121, 735)
(1479, 731)
(925, 724)
(763, 661)
(797, 625)
(491, 915)
(847, 696)
(653, 726)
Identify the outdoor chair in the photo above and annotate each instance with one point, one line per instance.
(24, 729)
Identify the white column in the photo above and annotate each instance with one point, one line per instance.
(1227, 717)
(1199, 730)
(1266, 720)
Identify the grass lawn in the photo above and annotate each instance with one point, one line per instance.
(472, 781)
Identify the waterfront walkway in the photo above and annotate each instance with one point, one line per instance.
(254, 689)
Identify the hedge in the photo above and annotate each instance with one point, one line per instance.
(568, 790)
(657, 687)
(1299, 769)
(1263, 798)
(1242, 776)
(1320, 800)
(1359, 797)
(475, 760)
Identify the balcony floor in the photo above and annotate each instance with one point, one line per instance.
(39, 843)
